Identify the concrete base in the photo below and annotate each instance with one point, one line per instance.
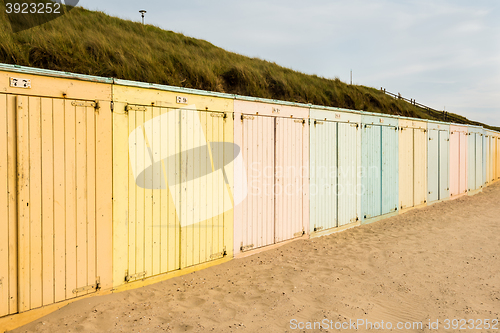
(407, 209)
(378, 218)
(474, 192)
(437, 201)
(334, 230)
(453, 197)
(268, 247)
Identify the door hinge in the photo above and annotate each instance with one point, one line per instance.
(247, 117)
(94, 287)
(316, 122)
(219, 115)
(135, 108)
(246, 247)
(317, 228)
(135, 276)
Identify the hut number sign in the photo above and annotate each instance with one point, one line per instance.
(20, 83)
(182, 100)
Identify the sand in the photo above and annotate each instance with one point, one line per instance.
(440, 262)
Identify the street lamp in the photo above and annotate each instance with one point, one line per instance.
(142, 11)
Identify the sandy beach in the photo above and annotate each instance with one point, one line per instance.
(440, 263)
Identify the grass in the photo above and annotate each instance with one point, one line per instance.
(94, 43)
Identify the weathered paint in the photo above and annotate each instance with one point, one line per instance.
(458, 161)
(172, 176)
(275, 145)
(335, 158)
(380, 165)
(412, 163)
(57, 229)
(438, 161)
(475, 159)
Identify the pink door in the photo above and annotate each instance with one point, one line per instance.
(289, 183)
(257, 210)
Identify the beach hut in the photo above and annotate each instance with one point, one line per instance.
(335, 160)
(475, 159)
(274, 140)
(438, 161)
(380, 166)
(55, 187)
(412, 164)
(458, 161)
(173, 162)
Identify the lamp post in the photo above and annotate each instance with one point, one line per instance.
(142, 11)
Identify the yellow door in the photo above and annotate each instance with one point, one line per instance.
(8, 206)
(58, 198)
(172, 178)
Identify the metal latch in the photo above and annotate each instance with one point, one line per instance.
(135, 108)
(135, 276)
(87, 288)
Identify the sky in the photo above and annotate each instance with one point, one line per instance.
(443, 53)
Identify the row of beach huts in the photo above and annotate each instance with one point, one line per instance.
(107, 184)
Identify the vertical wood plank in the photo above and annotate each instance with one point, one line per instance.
(156, 193)
(35, 179)
(120, 191)
(221, 186)
(12, 202)
(148, 200)
(47, 201)
(196, 196)
(132, 197)
(59, 201)
(202, 164)
(71, 198)
(172, 169)
(81, 198)
(4, 210)
(164, 194)
(23, 188)
(91, 196)
(140, 206)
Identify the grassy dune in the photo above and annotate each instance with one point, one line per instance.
(94, 43)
